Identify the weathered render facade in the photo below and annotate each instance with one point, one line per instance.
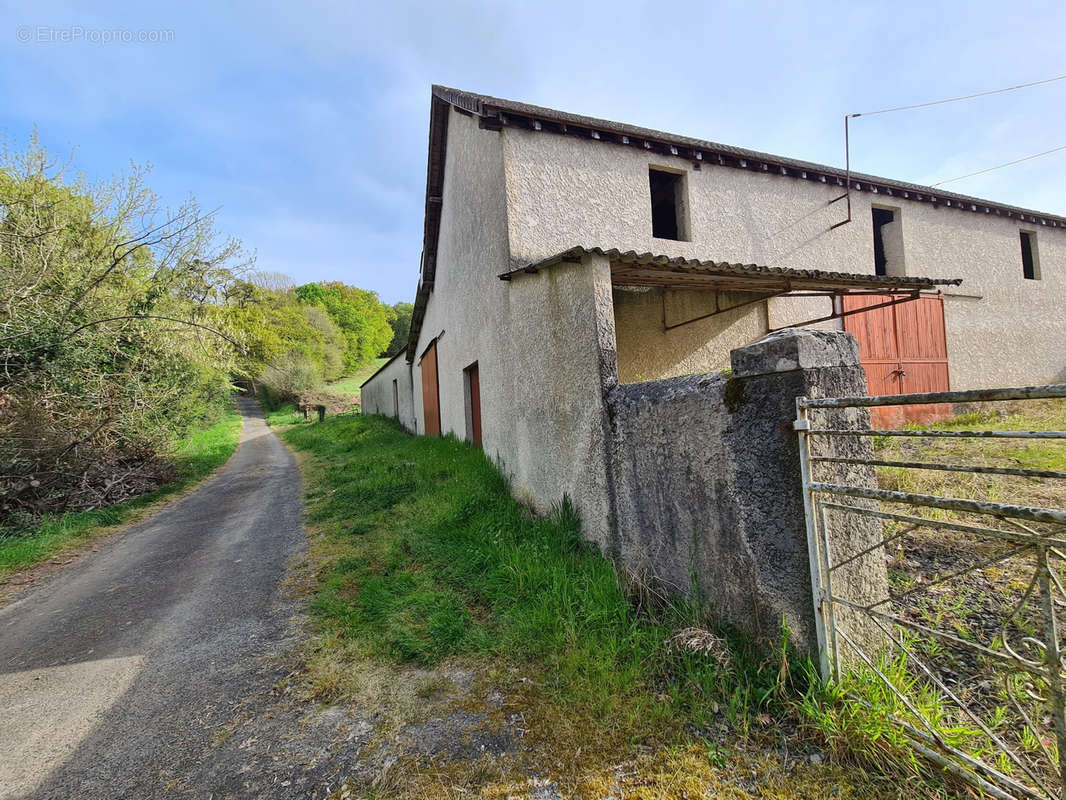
(549, 285)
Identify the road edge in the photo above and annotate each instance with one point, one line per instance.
(19, 580)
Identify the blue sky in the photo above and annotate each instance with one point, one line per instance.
(306, 122)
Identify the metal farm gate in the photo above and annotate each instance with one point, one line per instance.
(960, 652)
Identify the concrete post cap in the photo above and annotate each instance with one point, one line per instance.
(795, 348)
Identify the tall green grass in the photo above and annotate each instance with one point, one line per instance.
(435, 559)
(428, 557)
(285, 414)
(202, 452)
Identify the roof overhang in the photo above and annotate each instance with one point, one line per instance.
(495, 114)
(438, 142)
(630, 268)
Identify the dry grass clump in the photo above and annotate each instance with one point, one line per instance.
(701, 641)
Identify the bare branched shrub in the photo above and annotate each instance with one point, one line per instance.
(114, 332)
(271, 281)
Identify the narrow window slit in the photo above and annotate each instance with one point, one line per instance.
(888, 241)
(1030, 265)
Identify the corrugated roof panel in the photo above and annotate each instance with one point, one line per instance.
(649, 269)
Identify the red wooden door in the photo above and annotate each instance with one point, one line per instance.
(475, 404)
(903, 349)
(430, 391)
(875, 332)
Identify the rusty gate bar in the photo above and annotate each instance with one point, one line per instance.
(1012, 536)
(1025, 473)
(941, 434)
(944, 434)
(947, 503)
(1045, 591)
(972, 396)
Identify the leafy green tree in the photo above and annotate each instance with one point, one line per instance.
(360, 315)
(276, 327)
(122, 325)
(400, 322)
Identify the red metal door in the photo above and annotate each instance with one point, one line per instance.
(475, 404)
(903, 348)
(430, 390)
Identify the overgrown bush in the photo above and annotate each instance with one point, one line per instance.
(289, 378)
(297, 339)
(122, 324)
(114, 334)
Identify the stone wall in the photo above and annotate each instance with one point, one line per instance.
(378, 396)
(707, 490)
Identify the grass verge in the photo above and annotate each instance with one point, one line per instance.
(350, 385)
(424, 559)
(284, 414)
(200, 454)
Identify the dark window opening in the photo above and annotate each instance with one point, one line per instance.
(666, 204)
(395, 398)
(882, 217)
(1029, 256)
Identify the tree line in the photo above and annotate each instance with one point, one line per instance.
(123, 324)
(296, 338)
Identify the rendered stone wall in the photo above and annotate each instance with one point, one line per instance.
(1002, 330)
(469, 310)
(377, 394)
(561, 351)
(648, 351)
(707, 489)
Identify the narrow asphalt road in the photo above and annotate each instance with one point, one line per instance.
(119, 676)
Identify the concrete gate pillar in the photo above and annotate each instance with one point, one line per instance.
(767, 377)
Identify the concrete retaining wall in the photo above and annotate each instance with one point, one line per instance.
(707, 485)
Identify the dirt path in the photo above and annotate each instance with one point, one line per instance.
(122, 676)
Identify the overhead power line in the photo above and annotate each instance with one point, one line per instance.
(1001, 166)
(849, 117)
(957, 99)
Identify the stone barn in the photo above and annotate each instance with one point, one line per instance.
(585, 284)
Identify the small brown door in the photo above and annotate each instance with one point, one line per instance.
(903, 348)
(474, 384)
(430, 390)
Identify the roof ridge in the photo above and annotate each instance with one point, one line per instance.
(488, 106)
